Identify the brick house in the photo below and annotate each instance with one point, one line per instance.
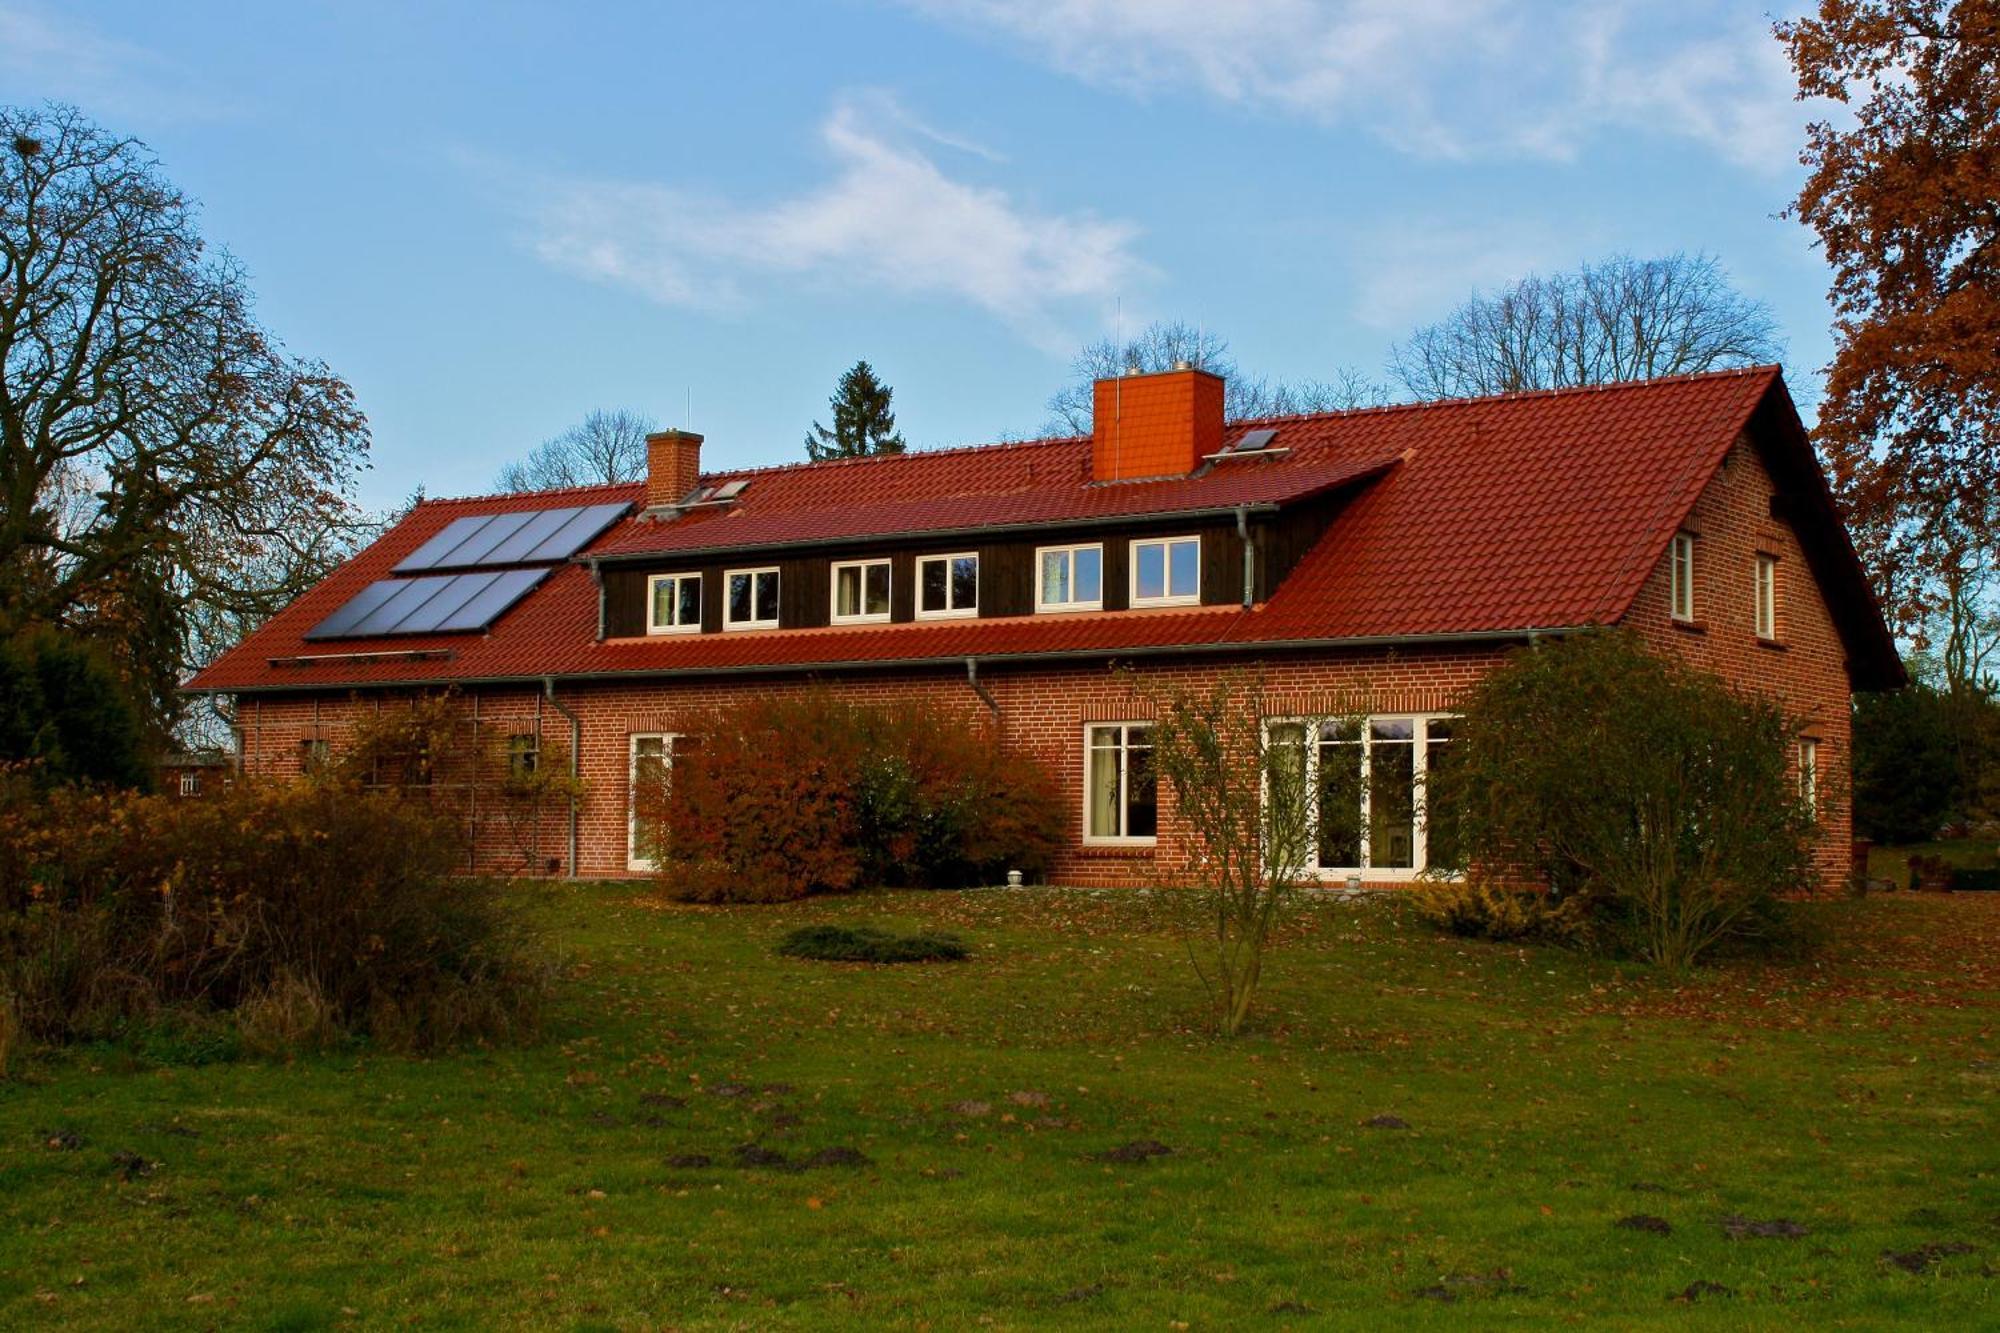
(1388, 556)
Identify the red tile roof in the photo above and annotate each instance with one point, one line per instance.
(1530, 511)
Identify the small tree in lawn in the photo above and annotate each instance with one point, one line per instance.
(1241, 790)
(1593, 766)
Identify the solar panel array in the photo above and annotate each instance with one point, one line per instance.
(433, 604)
(527, 537)
(1253, 440)
(524, 545)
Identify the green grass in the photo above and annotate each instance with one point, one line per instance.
(1541, 1091)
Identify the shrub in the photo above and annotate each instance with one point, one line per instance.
(793, 795)
(867, 944)
(66, 712)
(1475, 910)
(10, 1032)
(300, 908)
(1591, 766)
(1906, 767)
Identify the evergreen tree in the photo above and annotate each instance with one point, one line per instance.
(862, 421)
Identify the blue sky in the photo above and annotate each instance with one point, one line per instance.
(492, 218)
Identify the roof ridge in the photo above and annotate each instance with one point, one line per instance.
(862, 460)
(1523, 395)
(493, 496)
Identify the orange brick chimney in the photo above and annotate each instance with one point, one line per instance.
(673, 465)
(1158, 425)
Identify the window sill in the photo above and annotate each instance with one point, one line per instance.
(1776, 645)
(1688, 626)
(1119, 851)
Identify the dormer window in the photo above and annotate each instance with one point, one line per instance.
(947, 585)
(1069, 578)
(860, 591)
(673, 603)
(1166, 571)
(752, 601)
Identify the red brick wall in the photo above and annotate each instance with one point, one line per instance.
(1805, 666)
(1043, 711)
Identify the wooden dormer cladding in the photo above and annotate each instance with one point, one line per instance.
(1007, 570)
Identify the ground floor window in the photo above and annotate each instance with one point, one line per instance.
(652, 761)
(1809, 773)
(1121, 791)
(1367, 779)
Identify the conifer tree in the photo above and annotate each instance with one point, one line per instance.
(862, 421)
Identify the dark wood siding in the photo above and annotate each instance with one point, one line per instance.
(1007, 570)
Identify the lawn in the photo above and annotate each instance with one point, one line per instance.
(1419, 1131)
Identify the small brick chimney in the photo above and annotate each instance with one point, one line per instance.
(673, 465)
(1157, 425)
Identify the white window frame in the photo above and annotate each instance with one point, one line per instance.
(1809, 773)
(653, 581)
(951, 612)
(864, 617)
(752, 572)
(634, 861)
(190, 782)
(1124, 784)
(1043, 604)
(1420, 763)
(1680, 579)
(1170, 598)
(1764, 590)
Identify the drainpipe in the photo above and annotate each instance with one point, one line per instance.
(972, 679)
(575, 758)
(1249, 557)
(228, 719)
(597, 577)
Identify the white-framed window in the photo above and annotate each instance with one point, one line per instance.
(1368, 779)
(524, 754)
(673, 604)
(1121, 791)
(190, 782)
(315, 753)
(652, 762)
(1809, 773)
(1681, 581)
(948, 585)
(1166, 571)
(750, 599)
(1767, 596)
(860, 591)
(1069, 578)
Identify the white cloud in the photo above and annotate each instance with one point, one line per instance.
(889, 218)
(1440, 78)
(1413, 273)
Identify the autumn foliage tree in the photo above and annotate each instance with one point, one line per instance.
(1904, 193)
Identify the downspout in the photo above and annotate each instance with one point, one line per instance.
(575, 759)
(972, 679)
(228, 719)
(597, 577)
(1249, 557)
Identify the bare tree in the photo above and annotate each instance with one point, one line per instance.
(1164, 345)
(1621, 319)
(1242, 790)
(161, 459)
(605, 447)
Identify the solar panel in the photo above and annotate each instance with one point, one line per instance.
(729, 490)
(454, 535)
(1253, 440)
(578, 533)
(475, 550)
(540, 526)
(434, 604)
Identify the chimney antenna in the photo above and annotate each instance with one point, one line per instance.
(1118, 392)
